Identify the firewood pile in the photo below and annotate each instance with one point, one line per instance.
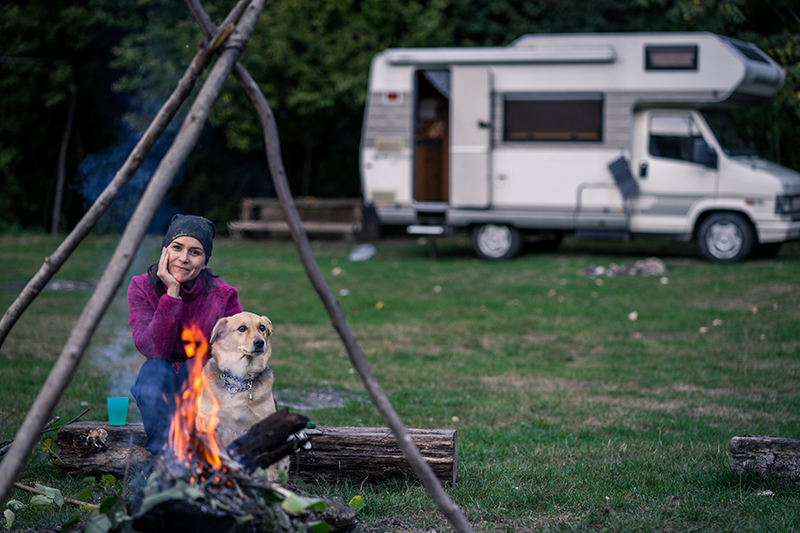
(229, 490)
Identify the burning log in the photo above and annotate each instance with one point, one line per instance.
(199, 491)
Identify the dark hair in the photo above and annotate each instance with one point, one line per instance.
(206, 276)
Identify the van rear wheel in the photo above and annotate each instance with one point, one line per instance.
(726, 238)
(496, 242)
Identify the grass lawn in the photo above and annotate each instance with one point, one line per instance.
(571, 416)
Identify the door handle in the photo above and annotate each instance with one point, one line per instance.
(483, 124)
(643, 169)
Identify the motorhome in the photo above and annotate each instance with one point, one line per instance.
(607, 136)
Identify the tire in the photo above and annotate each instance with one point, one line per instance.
(726, 238)
(496, 242)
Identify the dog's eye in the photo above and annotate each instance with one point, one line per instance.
(242, 329)
(261, 327)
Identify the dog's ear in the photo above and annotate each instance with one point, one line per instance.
(268, 323)
(220, 329)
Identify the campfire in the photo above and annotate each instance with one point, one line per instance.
(197, 484)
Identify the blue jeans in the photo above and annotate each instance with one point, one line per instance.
(154, 392)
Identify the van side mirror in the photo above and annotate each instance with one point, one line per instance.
(704, 154)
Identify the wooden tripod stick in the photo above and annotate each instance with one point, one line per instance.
(272, 146)
(134, 233)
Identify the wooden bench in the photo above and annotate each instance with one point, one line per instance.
(320, 216)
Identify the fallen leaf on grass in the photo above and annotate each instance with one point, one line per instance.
(357, 503)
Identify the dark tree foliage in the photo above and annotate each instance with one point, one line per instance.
(311, 59)
(50, 48)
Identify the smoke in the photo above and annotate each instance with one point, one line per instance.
(112, 350)
(97, 170)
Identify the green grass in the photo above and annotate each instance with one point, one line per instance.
(570, 416)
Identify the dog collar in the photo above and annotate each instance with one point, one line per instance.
(235, 385)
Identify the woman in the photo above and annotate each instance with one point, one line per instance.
(177, 291)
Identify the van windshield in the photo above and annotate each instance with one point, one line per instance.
(730, 138)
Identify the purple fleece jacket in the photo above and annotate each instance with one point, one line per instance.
(156, 322)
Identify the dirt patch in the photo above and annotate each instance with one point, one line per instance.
(54, 285)
(312, 399)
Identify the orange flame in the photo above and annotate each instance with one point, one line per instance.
(184, 439)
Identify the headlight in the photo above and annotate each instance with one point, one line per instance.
(786, 205)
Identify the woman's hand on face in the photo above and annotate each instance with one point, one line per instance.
(171, 284)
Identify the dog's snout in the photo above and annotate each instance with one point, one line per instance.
(258, 344)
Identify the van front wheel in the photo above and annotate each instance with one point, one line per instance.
(496, 242)
(726, 238)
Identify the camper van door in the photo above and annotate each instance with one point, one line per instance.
(471, 128)
(673, 168)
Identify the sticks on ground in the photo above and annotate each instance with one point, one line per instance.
(6, 445)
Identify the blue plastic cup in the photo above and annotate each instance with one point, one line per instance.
(117, 411)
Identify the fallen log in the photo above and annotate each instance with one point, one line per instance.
(372, 453)
(766, 457)
(349, 452)
(98, 448)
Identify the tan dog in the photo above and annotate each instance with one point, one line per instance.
(238, 375)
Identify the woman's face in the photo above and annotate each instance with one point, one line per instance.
(185, 259)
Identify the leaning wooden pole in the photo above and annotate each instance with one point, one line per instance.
(134, 233)
(135, 159)
(272, 146)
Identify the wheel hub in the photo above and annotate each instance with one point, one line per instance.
(494, 241)
(724, 240)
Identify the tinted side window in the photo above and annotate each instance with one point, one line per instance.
(557, 117)
(670, 57)
(673, 136)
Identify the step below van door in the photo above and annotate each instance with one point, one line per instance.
(471, 131)
(675, 172)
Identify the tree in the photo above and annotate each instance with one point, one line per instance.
(44, 44)
(310, 58)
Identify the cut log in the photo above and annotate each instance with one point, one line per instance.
(98, 448)
(773, 458)
(372, 453)
(355, 453)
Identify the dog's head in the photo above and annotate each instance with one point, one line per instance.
(240, 343)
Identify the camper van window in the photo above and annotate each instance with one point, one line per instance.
(670, 57)
(673, 136)
(749, 53)
(553, 117)
(730, 139)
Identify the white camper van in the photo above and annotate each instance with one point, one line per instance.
(605, 135)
